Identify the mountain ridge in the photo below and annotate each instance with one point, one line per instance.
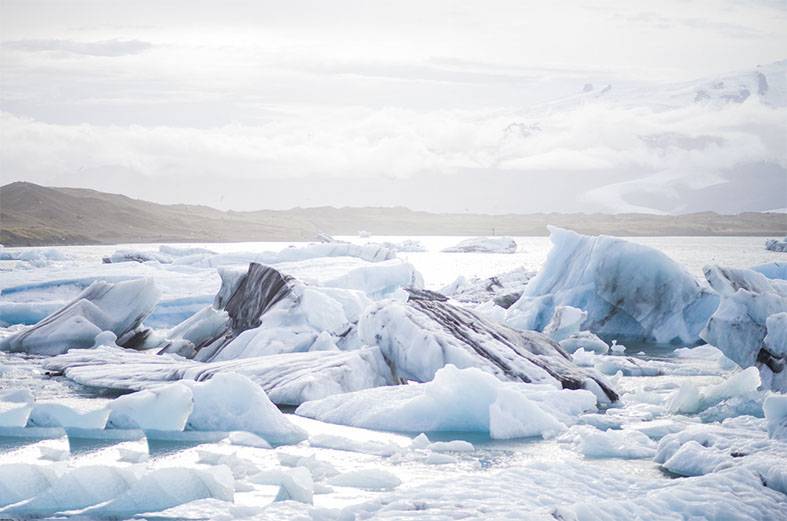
(34, 215)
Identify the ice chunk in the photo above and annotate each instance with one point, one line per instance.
(367, 479)
(775, 409)
(165, 408)
(740, 324)
(119, 308)
(126, 255)
(424, 334)
(484, 245)
(407, 245)
(629, 290)
(34, 254)
(565, 323)
(296, 485)
(420, 442)
(584, 340)
(232, 402)
(456, 400)
(247, 439)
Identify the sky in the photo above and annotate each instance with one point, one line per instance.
(445, 106)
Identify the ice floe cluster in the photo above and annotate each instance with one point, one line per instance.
(206, 345)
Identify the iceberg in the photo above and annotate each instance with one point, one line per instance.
(461, 400)
(422, 335)
(484, 245)
(628, 290)
(776, 245)
(119, 308)
(750, 324)
(288, 379)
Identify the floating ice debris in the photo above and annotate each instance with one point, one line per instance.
(617, 348)
(165, 408)
(15, 407)
(367, 479)
(775, 409)
(296, 485)
(596, 443)
(484, 245)
(119, 308)
(628, 290)
(584, 340)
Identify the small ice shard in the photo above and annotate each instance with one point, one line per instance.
(119, 308)
(296, 485)
(617, 348)
(484, 245)
(319, 469)
(693, 459)
(232, 402)
(367, 479)
(332, 441)
(628, 290)
(420, 442)
(164, 408)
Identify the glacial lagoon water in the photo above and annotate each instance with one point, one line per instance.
(531, 478)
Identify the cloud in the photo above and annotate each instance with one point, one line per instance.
(109, 48)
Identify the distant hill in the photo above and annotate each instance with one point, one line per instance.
(33, 215)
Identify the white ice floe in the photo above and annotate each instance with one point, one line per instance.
(422, 335)
(750, 324)
(288, 379)
(484, 245)
(405, 246)
(468, 400)
(629, 291)
(52, 414)
(119, 308)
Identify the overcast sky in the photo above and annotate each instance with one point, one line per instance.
(434, 105)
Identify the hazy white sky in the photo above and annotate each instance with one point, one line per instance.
(434, 105)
